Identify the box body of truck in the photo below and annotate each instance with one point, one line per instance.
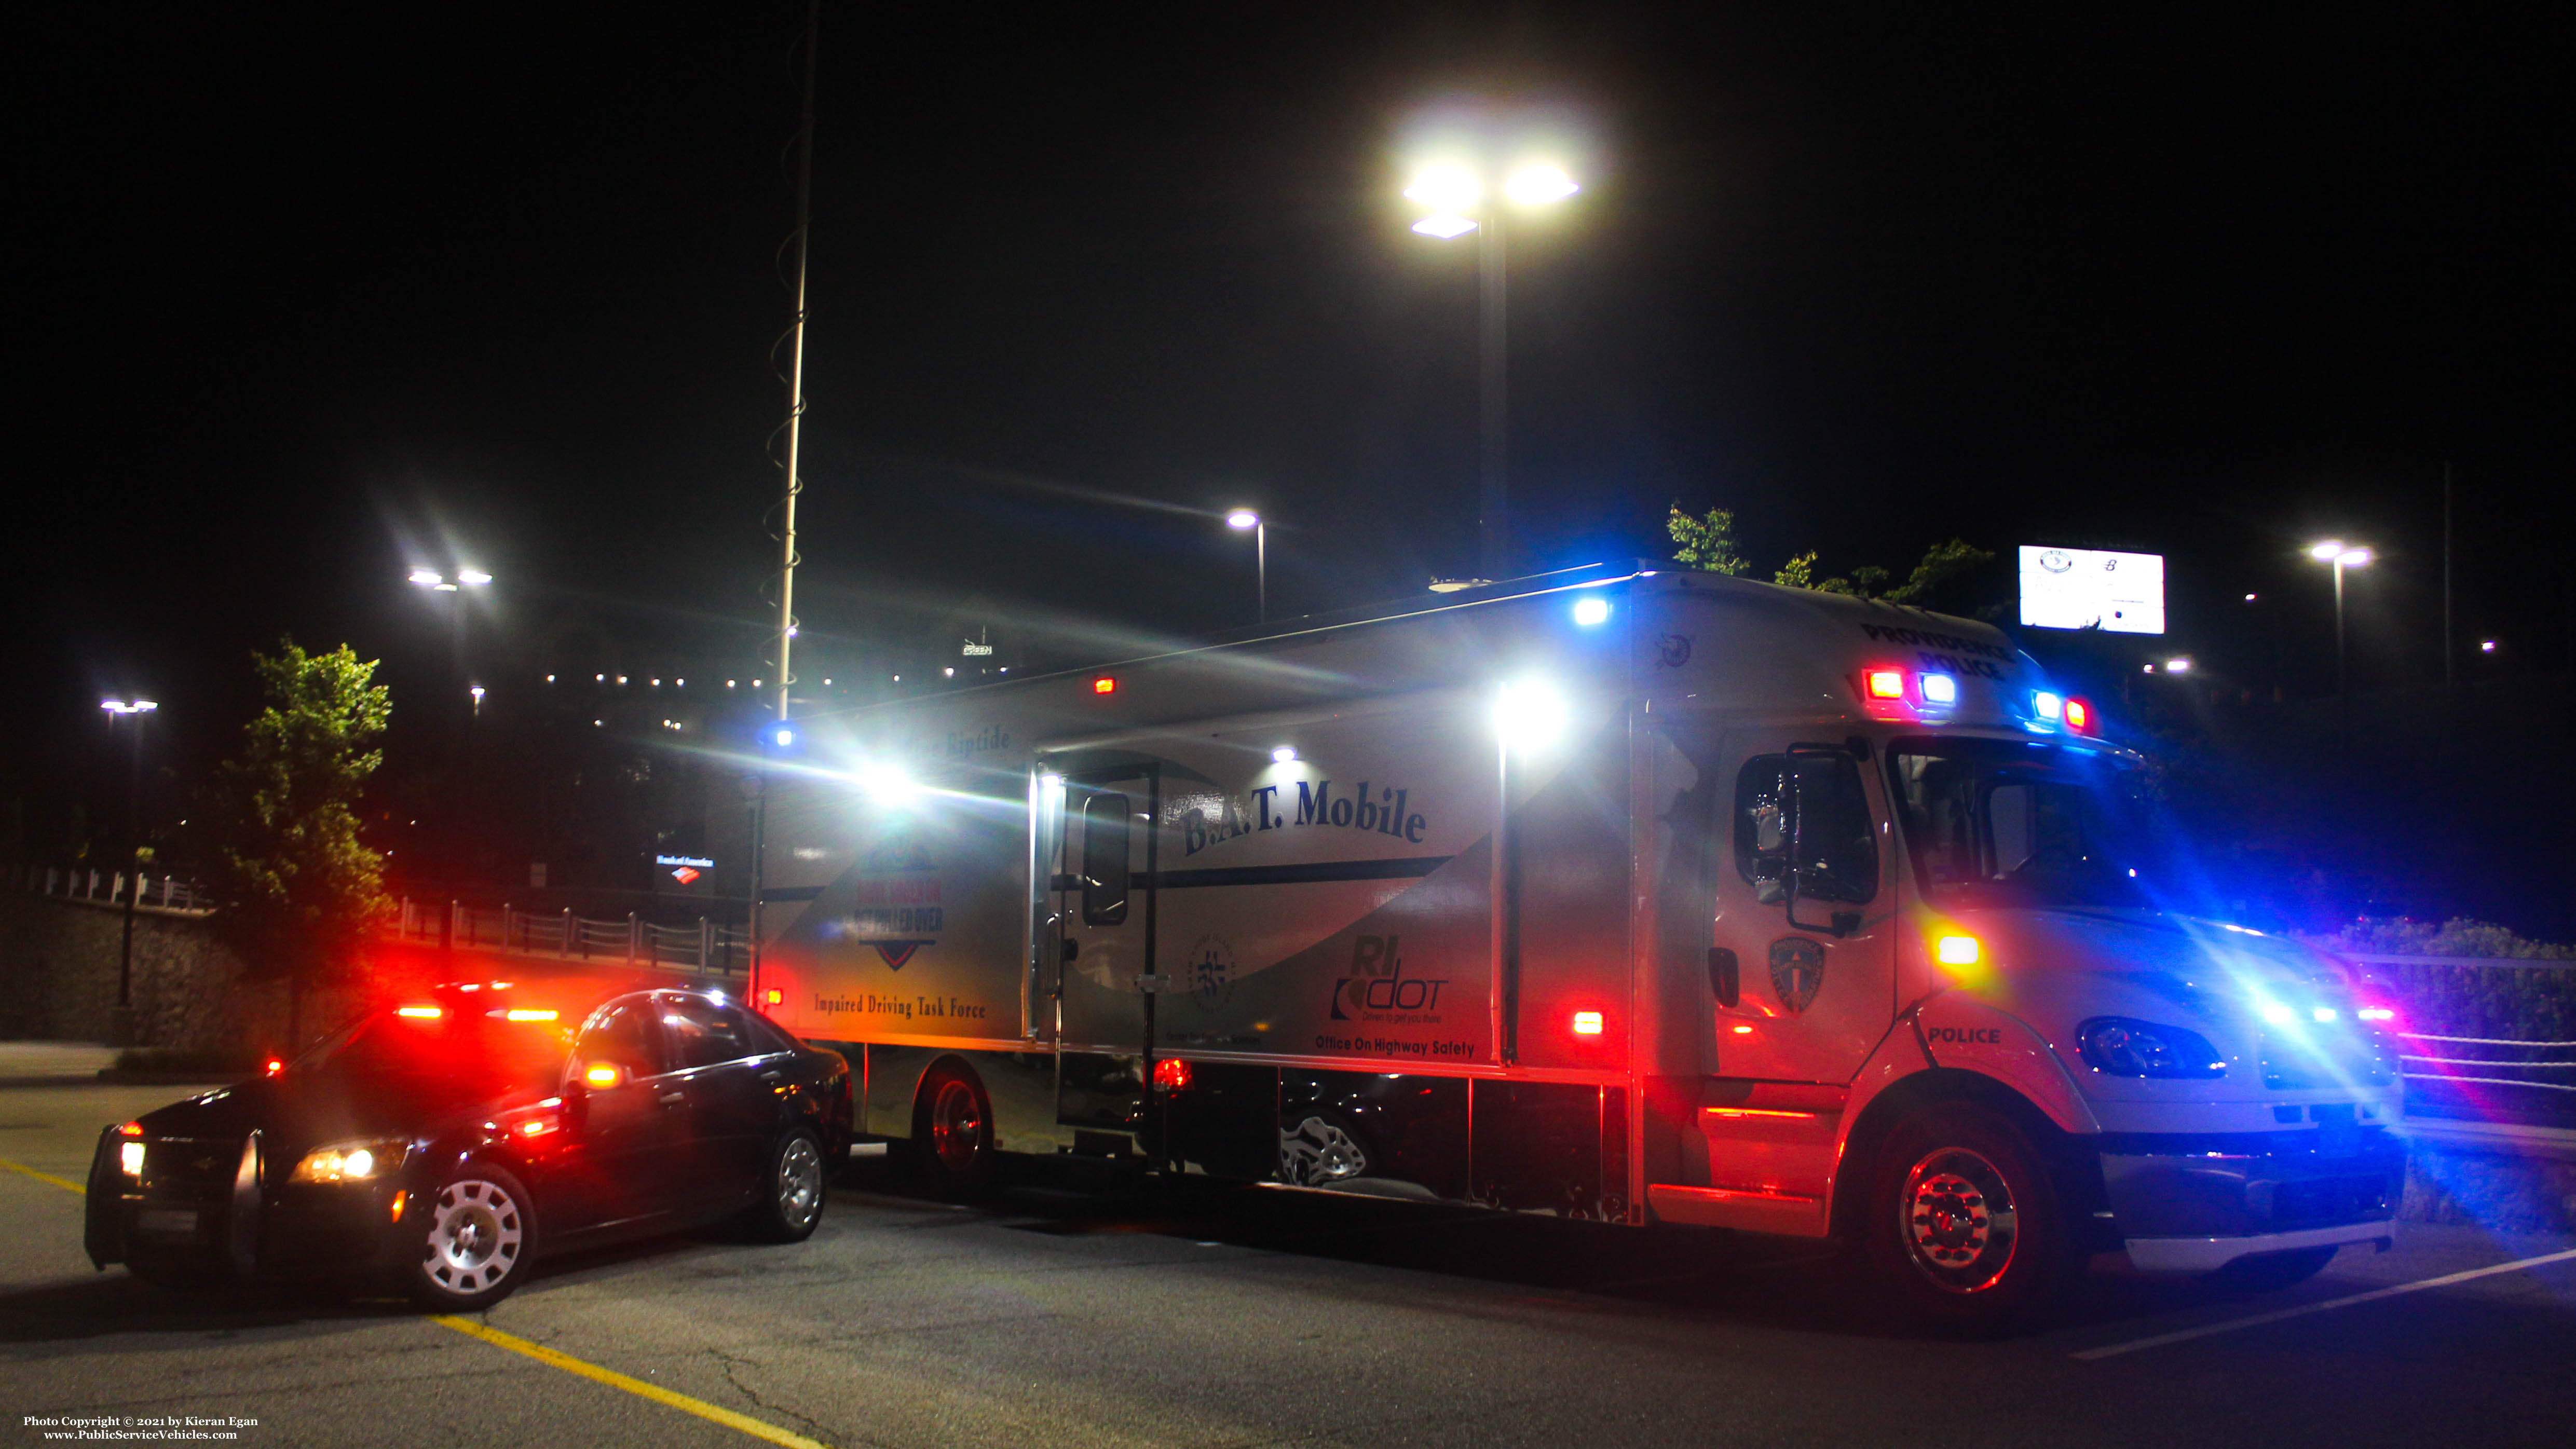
(1664, 897)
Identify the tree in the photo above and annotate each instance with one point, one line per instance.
(1709, 544)
(1705, 543)
(297, 890)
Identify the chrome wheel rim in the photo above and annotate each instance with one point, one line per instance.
(1957, 1221)
(476, 1234)
(956, 1126)
(1319, 1152)
(800, 1181)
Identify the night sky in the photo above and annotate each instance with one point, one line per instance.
(300, 303)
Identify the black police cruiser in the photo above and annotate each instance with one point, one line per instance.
(446, 1143)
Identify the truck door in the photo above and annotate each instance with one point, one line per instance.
(1105, 923)
(1803, 957)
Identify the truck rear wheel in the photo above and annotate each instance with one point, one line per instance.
(1963, 1225)
(952, 1132)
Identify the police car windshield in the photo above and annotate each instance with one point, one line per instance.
(456, 1054)
(2010, 823)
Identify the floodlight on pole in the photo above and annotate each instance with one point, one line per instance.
(1452, 193)
(2340, 556)
(1244, 519)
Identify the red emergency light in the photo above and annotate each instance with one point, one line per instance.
(1172, 1074)
(2080, 717)
(772, 996)
(1587, 1023)
(1885, 683)
(1104, 684)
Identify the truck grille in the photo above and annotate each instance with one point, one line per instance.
(189, 1172)
(2327, 1060)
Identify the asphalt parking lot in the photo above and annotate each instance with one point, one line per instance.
(1219, 1316)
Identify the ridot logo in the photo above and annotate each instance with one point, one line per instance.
(1378, 990)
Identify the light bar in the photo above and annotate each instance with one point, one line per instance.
(420, 1013)
(1587, 1023)
(1885, 683)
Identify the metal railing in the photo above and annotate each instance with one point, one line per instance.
(708, 946)
(109, 887)
(2488, 1063)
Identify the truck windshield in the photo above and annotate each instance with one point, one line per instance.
(2010, 823)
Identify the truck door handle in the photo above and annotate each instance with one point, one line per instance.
(673, 1099)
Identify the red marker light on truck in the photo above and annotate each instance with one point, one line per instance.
(772, 996)
(2079, 716)
(1886, 683)
(1172, 1074)
(1587, 1023)
(420, 1013)
(1105, 684)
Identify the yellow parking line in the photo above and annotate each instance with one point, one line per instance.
(615, 1380)
(547, 1356)
(66, 1184)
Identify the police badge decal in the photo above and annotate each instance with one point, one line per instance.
(1797, 970)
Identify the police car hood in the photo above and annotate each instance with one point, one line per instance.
(298, 1112)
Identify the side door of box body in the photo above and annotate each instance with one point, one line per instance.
(1104, 921)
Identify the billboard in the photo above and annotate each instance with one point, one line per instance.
(2082, 588)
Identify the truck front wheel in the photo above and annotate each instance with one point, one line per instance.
(1963, 1224)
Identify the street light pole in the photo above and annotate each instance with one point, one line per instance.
(1493, 494)
(1455, 198)
(133, 711)
(2340, 556)
(1243, 518)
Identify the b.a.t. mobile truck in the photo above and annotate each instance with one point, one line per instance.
(1663, 897)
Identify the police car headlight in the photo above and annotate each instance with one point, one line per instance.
(2125, 1047)
(361, 1161)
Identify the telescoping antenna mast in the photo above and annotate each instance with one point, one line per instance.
(787, 558)
(795, 484)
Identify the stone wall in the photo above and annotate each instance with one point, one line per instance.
(58, 970)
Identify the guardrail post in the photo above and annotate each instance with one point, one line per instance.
(563, 939)
(631, 941)
(706, 947)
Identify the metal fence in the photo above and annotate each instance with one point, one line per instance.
(707, 946)
(2486, 1061)
(2499, 1055)
(109, 887)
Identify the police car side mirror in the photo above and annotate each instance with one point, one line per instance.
(1770, 890)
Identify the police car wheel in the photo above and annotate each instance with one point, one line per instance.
(1964, 1226)
(478, 1239)
(790, 1206)
(952, 1132)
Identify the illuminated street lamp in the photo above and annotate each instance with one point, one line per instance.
(132, 711)
(1239, 520)
(1452, 194)
(2342, 556)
